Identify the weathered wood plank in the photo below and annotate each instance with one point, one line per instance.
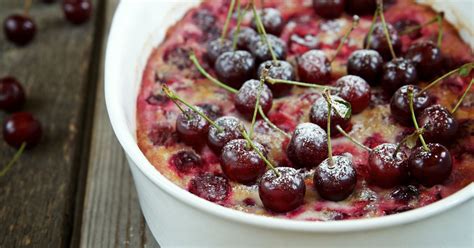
(37, 196)
(111, 214)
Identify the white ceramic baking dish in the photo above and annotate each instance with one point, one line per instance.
(180, 219)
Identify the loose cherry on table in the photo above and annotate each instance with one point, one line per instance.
(19, 29)
(12, 95)
(329, 9)
(22, 128)
(399, 104)
(314, 67)
(439, 124)
(272, 21)
(235, 67)
(282, 192)
(246, 98)
(279, 69)
(308, 146)
(355, 90)
(427, 58)
(367, 64)
(319, 114)
(77, 11)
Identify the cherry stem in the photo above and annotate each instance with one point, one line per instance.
(175, 98)
(417, 27)
(257, 104)
(355, 23)
(352, 139)
(385, 28)
(413, 117)
(439, 19)
(227, 20)
(239, 23)
(462, 97)
(250, 142)
(283, 81)
(471, 65)
(271, 124)
(372, 26)
(405, 139)
(327, 95)
(195, 61)
(261, 30)
(26, 7)
(13, 160)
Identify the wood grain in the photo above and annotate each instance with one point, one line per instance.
(111, 213)
(37, 195)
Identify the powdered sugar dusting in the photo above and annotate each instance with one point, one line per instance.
(341, 170)
(289, 178)
(306, 133)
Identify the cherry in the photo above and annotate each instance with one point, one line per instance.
(397, 73)
(427, 58)
(77, 11)
(378, 41)
(214, 188)
(386, 169)
(405, 24)
(244, 37)
(211, 110)
(217, 47)
(355, 90)
(308, 146)
(399, 104)
(235, 67)
(230, 126)
(19, 29)
(367, 64)
(432, 166)
(361, 7)
(272, 21)
(329, 9)
(259, 48)
(49, 1)
(282, 193)
(279, 69)
(186, 161)
(246, 98)
(439, 124)
(241, 163)
(22, 127)
(12, 95)
(314, 67)
(404, 194)
(335, 181)
(192, 128)
(319, 114)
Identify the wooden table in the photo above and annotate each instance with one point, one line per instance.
(75, 188)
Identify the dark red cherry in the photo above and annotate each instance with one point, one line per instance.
(282, 193)
(186, 161)
(427, 58)
(367, 64)
(246, 98)
(314, 67)
(439, 125)
(22, 127)
(12, 95)
(192, 128)
(217, 47)
(319, 115)
(361, 7)
(214, 188)
(240, 163)
(278, 70)
(430, 167)
(230, 131)
(77, 11)
(308, 146)
(405, 24)
(234, 68)
(400, 108)
(49, 1)
(329, 9)
(335, 182)
(386, 169)
(378, 41)
(272, 21)
(355, 90)
(397, 73)
(19, 29)
(259, 48)
(245, 36)
(211, 110)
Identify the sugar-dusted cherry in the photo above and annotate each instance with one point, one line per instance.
(192, 128)
(284, 192)
(319, 114)
(398, 72)
(217, 47)
(19, 29)
(214, 188)
(387, 169)
(427, 58)
(439, 124)
(314, 67)
(336, 180)
(240, 163)
(378, 41)
(308, 146)
(272, 21)
(399, 104)
(355, 90)
(234, 68)
(230, 129)
(22, 127)
(259, 48)
(246, 98)
(367, 64)
(77, 11)
(279, 69)
(244, 37)
(430, 166)
(329, 9)
(12, 95)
